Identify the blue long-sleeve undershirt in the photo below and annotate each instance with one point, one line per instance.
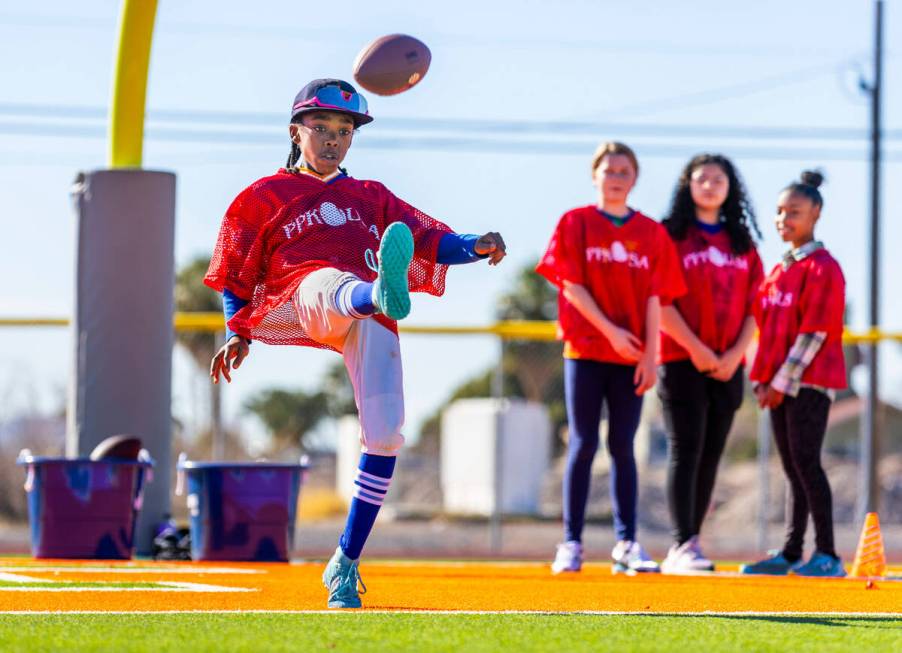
(453, 249)
(231, 304)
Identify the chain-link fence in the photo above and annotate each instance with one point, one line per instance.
(518, 364)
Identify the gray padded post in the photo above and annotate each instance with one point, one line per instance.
(122, 324)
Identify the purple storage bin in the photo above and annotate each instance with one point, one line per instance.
(82, 508)
(241, 511)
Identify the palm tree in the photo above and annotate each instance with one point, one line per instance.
(289, 416)
(536, 364)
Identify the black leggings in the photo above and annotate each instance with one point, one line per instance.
(800, 424)
(698, 413)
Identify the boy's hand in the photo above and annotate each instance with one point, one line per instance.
(236, 348)
(491, 244)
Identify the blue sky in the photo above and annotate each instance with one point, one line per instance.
(498, 136)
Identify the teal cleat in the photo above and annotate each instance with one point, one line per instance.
(776, 565)
(822, 565)
(341, 578)
(391, 294)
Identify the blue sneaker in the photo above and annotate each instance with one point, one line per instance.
(822, 565)
(776, 565)
(391, 294)
(341, 578)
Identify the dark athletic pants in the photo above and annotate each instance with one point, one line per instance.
(800, 424)
(588, 384)
(698, 413)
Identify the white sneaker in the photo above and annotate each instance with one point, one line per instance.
(630, 558)
(569, 557)
(701, 562)
(687, 558)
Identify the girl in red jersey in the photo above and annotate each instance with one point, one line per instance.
(311, 256)
(615, 268)
(705, 335)
(797, 370)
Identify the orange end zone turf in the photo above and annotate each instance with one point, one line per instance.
(416, 586)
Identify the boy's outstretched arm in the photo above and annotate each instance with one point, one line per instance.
(459, 249)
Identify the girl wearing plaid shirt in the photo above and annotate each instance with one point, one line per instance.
(798, 368)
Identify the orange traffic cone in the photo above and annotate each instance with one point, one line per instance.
(870, 558)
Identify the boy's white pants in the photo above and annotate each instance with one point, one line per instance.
(372, 355)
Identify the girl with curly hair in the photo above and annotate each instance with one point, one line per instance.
(705, 334)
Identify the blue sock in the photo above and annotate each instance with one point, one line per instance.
(372, 481)
(355, 299)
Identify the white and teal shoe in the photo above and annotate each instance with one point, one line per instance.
(630, 558)
(775, 565)
(821, 565)
(391, 294)
(342, 578)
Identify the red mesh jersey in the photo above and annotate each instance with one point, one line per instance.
(285, 226)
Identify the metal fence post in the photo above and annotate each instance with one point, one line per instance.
(764, 433)
(217, 432)
(495, 522)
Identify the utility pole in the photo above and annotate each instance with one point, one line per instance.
(871, 437)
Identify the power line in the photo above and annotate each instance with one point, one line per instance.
(273, 121)
(440, 143)
(730, 92)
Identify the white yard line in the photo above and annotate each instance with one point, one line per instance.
(19, 578)
(203, 587)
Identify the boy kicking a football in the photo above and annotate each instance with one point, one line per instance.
(313, 257)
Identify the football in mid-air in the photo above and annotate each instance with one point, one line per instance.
(120, 447)
(392, 64)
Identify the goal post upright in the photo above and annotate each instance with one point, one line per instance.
(124, 280)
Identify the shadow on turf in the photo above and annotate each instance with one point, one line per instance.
(826, 620)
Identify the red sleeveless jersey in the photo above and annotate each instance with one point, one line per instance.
(807, 297)
(621, 267)
(721, 291)
(285, 226)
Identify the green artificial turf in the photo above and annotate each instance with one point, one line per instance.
(427, 632)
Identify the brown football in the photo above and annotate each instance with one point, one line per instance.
(123, 447)
(392, 64)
